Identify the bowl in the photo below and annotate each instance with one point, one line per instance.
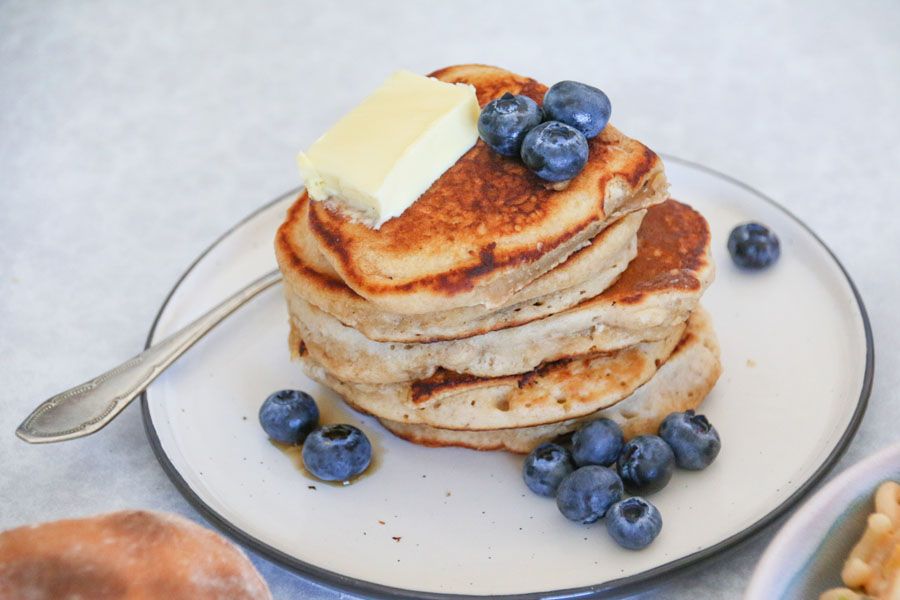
(805, 558)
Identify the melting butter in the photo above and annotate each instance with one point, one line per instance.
(385, 153)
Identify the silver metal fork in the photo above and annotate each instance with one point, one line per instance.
(89, 407)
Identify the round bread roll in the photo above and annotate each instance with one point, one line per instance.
(134, 555)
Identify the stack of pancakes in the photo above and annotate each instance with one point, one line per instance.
(498, 313)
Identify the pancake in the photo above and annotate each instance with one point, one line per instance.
(487, 226)
(557, 391)
(128, 555)
(682, 383)
(350, 356)
(656, 293)
(584, 274)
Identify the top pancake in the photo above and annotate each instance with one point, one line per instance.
(584, 274)
(487, 226)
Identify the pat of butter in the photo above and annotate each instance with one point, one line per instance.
(385, 153)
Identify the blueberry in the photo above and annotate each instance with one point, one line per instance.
(633, 523)
(693, 439)
(337, 452)
(545, 467)
(597, 443)
(587, 493)
(504, 122)
(585, 108)
(288, 416)
(555, 151)
(646, 464)
(753, 246)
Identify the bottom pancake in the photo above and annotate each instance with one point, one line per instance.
(682, 383)
(553, 392)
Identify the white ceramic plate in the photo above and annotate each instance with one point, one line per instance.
(796, 350)
(807, 555)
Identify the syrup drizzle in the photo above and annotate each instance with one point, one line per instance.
(295, 454)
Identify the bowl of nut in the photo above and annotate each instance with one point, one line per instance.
(843, 543)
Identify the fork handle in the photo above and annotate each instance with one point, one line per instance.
(88, 407)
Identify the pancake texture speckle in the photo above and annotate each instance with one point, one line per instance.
(657, 292)
(557, 391)
(680, 384)
(584, 274)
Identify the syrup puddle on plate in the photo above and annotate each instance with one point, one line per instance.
(295, 454)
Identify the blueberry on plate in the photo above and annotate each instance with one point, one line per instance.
(646, 464)
(597, 443)
(287, 416)
(587, 493)
(693, 439)
(633, 523)
(337, 452)
(545, 467)
(581, 106)
(753, 246)
(504, 122)
(554, 151)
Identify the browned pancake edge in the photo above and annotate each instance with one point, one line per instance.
(483, 198)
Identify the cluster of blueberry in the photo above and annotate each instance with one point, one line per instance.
(330, 452)
(590, 478)
(551, 142)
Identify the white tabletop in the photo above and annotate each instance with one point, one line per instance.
(133, 133)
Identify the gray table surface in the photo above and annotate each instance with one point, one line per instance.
(133, 133)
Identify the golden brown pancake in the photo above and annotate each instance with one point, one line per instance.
(554, 392)
(657, 292)
(488, 225)
(680, 384)
(584, 274)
